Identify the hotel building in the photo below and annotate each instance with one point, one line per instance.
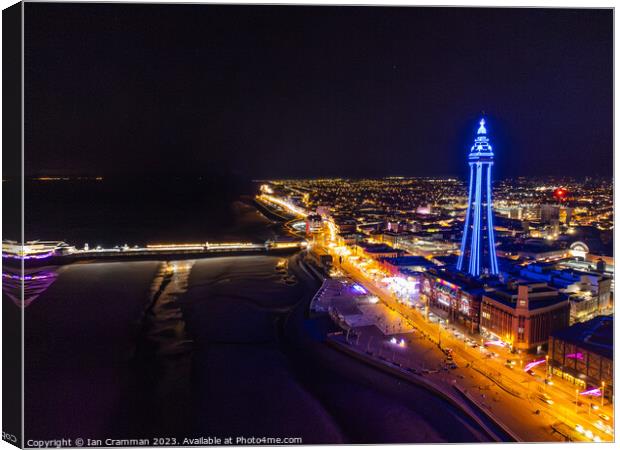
(523, 314)
(583, 354)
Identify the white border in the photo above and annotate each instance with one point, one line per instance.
(477, 3)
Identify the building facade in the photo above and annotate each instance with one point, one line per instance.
(583, 354)
(453, 296)
(523, 314)
(589, 292)
(375, 251)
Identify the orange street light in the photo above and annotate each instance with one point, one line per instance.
(576, 398)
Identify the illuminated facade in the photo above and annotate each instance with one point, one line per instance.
(453, 296)
(583, 354)
(477, 255)
(523, 314)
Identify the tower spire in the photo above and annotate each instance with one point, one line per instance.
(478, 243)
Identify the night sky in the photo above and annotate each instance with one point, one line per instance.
(296, 91)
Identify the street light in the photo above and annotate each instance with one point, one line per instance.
(603, 393)
(576, 394)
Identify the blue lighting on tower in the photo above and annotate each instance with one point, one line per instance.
(478, 244)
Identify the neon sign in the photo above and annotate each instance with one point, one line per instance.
(497, 343)
(594, 392)
(445, 283)
(533, 364)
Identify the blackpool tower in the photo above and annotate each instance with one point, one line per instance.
(478, 245)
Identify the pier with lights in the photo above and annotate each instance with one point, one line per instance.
(56, 253)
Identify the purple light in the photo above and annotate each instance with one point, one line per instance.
(533, 364)
(496, 342)
(41, 256)
(595, 392)
(24, 289)
(359, 289)
(575, 356)
(29, 277)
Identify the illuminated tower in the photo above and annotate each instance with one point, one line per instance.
(478, 245)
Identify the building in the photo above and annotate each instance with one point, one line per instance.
(314, 223)
(404, 265)
(532, 250)
(583, 354)
(376, 251)
(549, 213)
(345, 224)
(590, 244)
(396, 238)
(589, 292)
(350, 238)
(478, 244)
(423, 244)
(453, 296)
(515, 213)
(395, 225)
(566, 214)
(320, 257)
(523, 314)
(35, 249)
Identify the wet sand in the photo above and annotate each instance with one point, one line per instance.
(80, 338)
(244, 387)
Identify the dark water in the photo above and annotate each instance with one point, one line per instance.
(139, 211)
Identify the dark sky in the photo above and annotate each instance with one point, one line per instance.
(315, 91)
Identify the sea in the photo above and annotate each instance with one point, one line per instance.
(137, 211)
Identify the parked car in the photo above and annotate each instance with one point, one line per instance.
(545, 398)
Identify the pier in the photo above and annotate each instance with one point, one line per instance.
(38, 253)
